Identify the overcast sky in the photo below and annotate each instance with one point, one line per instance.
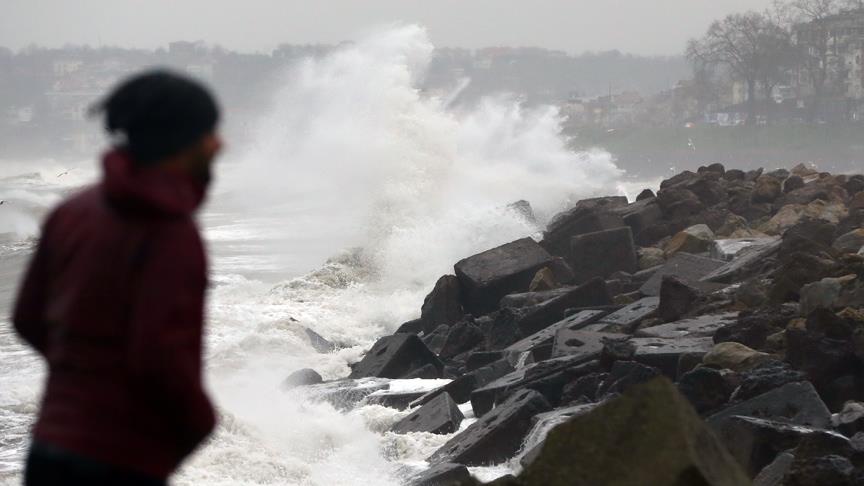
(638, 26)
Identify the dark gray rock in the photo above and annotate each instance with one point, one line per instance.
(702, 326)
(544, 423)
(829, 470)
(446, 474)
(665, 354)
(304, 377)
(461, 388)
(746, 263)
(677, 298)
(495, 437)
(627, 318)
(602, 253)
(590, 294)
(435, 340)
(318, 342)
(396, 356)
(793, 403)
(425, 372)
(440, 416)
(528, 299)
(346, 394)
(411, 327)
(623, 375)
(539, 344)
(391, 399)
(582, 344)
(639, 216)
(586, 216)
(764, 378)
(501, 329)
(773, 474)
(707, 389)
(461, 337)
(443, 305)
(487, 277)
(689, 268)
(480, 359)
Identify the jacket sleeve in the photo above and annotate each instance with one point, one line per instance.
(167, 330)
(29, 313)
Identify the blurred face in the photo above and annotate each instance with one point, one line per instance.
(200, 158)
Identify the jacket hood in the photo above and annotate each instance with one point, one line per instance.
(149, 189)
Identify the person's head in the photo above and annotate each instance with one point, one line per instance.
(163, 119)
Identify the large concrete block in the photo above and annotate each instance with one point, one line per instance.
(628, 317)
(439, 416)
(487, 277)
(603, 253)
(396, 356)
(585, 344)
(702, 326)
(688, 268)
(539, 344)
(589, 215)
(496, 437)
(539, 317)
(793, 403)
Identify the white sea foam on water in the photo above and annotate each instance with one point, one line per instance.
(352, 155)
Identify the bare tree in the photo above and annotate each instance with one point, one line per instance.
(751, 46)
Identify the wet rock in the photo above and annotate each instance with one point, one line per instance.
(461, 337)
(767, 189)
(446, 474)
(798, 270)
(395, 356)
(734, 175)
(540, 343)
(664, 354)
(824, 294)
(547, 377)
(792, 183)
(755, 442)
(583, 389)
(584, 344)
(443, 305)
(830, 470)
(793, 403)
(480, 359)
(541, 316)
(628, 317)
(461, 388)
(702, 326)
(318, 342)
(689, 268)
(411, 327)
(734, 356)
(501, 329)
(753, 328)
(399, 400)
(487, 277)
(599, 254)
(792, 214)
(523, 208)
(435, 340)
(650, 435)
(302, 377)
(640, 216)
(765, 377)
(588, 216)
(678, 204)
(850, 420)
(646, 194)
(623, 375)
(543, 424)
(707, 389)
(529, 299)
(813, 192)
(677, 298)
(425, 372)
(346, 394)
(440, 416)
(745, 263)
(728, 249)
(495, 437)
(850, 242)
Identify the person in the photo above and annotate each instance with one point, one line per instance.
(113, 298)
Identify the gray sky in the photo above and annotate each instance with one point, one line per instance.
(638, 26)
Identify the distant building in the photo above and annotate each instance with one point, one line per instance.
(842, 37)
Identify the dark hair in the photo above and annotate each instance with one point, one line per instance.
(158, 113)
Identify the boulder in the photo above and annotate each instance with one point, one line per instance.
(543, 280)
(792, 214)
(677, 298)
(462, 387)
(440, 416)
(765, 377)
(590, 294)
(500, 329)
(773, 474)
(746, 263)
(588, 216)
(678, 204)
(825, 294)
(496, 437)
(302, 377)
(792, 183)
(793, 403)
(702, 326)
(539, 344)
(645, 194)
(850, 420)
(640, 216)
(650, 435)
(487, 277)
(829, 470)
(443, 305)
(767, 189)
(446, 474)
(695, 239)
(650, 257)
(395, 356)
(850, 242)
(435, 340)
(602, 253)
(585, 344)
(627, 318)
(735, 357)
(689, 268)
(622, 376)
(461, 337)
(397, 399)
(664, 354)
(707, 389)
(346, 394)
(728, 249)
(411, 327)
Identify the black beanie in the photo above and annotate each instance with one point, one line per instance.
(159, 113)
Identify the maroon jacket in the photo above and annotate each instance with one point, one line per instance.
(113, 300)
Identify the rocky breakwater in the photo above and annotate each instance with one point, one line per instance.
(709, 334)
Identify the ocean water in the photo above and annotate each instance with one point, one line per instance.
(358, 192)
